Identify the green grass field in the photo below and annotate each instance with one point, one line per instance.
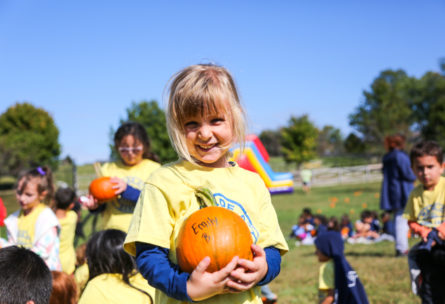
(384, 276)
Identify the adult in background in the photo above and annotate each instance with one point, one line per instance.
(398, 181)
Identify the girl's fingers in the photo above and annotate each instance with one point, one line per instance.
(203, 265)
(223, 273)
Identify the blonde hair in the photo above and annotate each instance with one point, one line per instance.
(202, 89)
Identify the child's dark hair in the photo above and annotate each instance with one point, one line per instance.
(323, 220)
(105, 254)
(64, 198)
(333, 224)
(24, 277)
(307, 211)
(365, 214)
(64, 288)
(384, 214)
(427, 148)
(44, 178)
(345, 219)
(395, 141)
(139, 132)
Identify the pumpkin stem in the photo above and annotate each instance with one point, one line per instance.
(205, 197)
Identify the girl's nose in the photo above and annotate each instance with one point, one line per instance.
(204, 132)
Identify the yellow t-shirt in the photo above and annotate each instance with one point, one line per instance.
(118, 212)
(67, 232)
(326, 279)
(109, 288)
(26, 226)
(427, 207)
(168, 198)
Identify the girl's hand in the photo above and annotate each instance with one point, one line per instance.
(119, 185)
(89, 202)
(249, 273)
(202, 284)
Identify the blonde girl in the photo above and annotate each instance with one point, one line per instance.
(35, 226)
(135, 164)
(205, 119)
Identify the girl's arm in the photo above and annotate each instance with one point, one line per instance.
(44, 247)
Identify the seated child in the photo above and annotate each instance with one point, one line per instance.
(364, 228)
(321, 224)
(346, 229)
(308, 217)
(333, 224)
(64, 199)
(338, 282)
(302, 231)
(64, 288)
(388, 229)
(24, 277)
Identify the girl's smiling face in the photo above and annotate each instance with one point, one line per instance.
(27, 195)
(208, 139)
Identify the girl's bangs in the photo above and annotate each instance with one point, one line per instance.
(200, 105)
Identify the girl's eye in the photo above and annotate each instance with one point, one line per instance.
(217, 120)
(191, 125)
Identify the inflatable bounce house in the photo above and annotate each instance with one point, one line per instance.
(255, 158)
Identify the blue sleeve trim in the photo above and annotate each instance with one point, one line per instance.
(160, 272)
(131, 194)
(273, 258)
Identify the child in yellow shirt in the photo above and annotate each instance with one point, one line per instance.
(64, 202)
(425, 210)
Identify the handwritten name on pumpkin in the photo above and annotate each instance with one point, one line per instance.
(207, 223)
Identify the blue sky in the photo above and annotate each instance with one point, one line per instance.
(85, 62)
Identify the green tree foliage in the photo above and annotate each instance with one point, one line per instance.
(152, 117)
(271, 140)
(386, 109)
(28, 138)
(429, 107)
(299, 140)
(329, 141)
(354, 145)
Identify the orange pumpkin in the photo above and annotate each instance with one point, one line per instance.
(102, 188)
(215, 232)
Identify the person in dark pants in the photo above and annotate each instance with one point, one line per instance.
(398, 181)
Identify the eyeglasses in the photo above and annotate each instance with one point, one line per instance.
(129, 149)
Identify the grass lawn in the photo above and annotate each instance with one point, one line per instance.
(384, 276)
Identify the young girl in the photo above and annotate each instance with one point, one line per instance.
(129, 173)
(204, 118)
(338, 282)
(35, 226)
(113, 275)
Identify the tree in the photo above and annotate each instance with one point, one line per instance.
(429, 107)
(271, 140)
(299, 140)
(354, 145)
(28, 138)
(329, 141)
(152, 117)
(387, 109)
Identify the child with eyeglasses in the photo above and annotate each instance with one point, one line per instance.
(128, 173)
